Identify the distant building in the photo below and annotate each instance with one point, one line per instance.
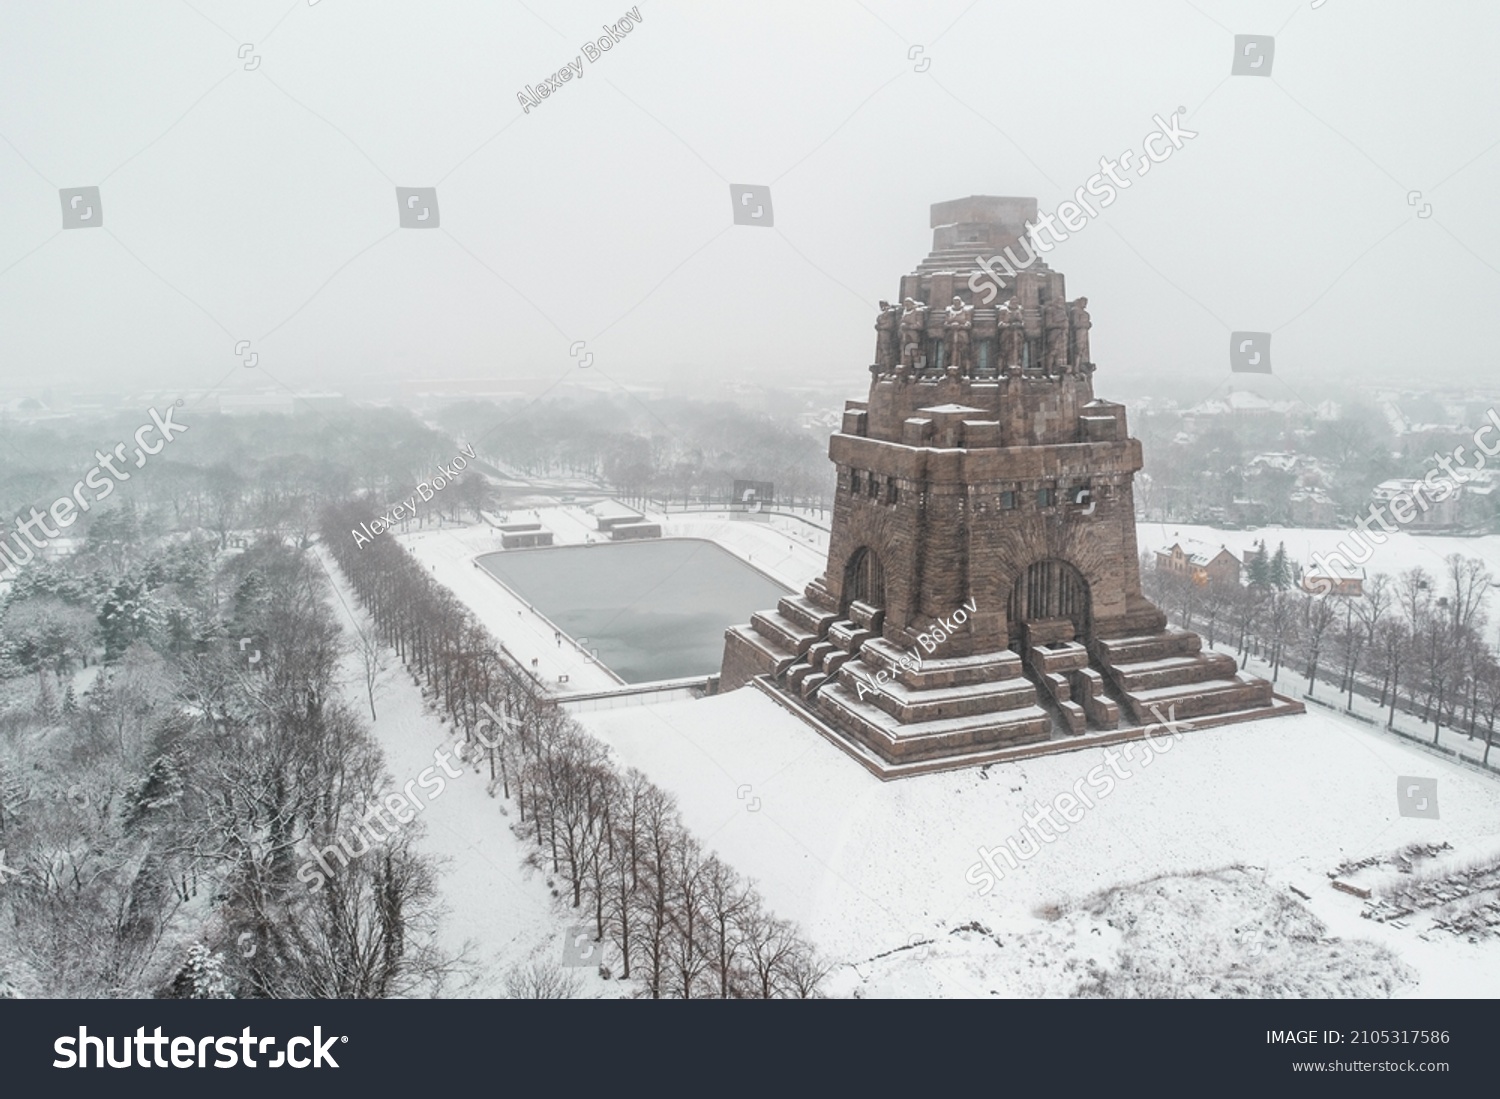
(1246, 512)
(1312, 507)
(523, 536)
(1236, 405)
(1318, 583)
(1411, 503)
(1200, 562)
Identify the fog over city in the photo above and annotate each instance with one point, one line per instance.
(253, 197)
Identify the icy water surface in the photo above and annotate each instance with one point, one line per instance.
(653, 610)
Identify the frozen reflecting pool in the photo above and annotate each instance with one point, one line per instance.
(653, 610)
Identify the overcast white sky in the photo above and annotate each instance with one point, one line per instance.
(262, 200)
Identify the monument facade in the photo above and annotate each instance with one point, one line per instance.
(984, 518)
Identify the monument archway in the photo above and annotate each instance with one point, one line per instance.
(864, 579)
(1051, 588)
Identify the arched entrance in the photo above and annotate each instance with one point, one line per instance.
(1051, 589)
(864, 580)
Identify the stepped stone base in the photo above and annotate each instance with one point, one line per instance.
(885, 770)
(898, 718)
(1165, 675)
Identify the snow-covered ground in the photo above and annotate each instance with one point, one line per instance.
(871, 868)
(1181, 880)
(1402, 550)
(1291, 682)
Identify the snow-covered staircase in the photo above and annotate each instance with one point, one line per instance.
(1166, 676)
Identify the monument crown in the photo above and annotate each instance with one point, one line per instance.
(980, 225)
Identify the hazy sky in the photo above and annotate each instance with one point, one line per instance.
(254, 197)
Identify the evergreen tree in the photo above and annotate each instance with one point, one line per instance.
(46, 700)
(1260, 570)
(202, 977)
(1281, 571)
(162, 787)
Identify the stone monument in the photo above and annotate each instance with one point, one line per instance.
(982, 596)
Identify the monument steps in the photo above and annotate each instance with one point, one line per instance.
(819, 651)
(882, 655)
(895, 742)
(811, 684)
(849, 636)
(911, 704)
(1054, 693)
(797, 674)
(885, 770)
(761, 651)
(835, 660)
(800, 611)
(1165, 675)
(1189, 700)
(1171, 671)
(1138, 648)
(785, 633)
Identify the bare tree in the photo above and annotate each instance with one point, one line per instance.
(1414, 595)
(726, 901)
(1319, 616)
(1392, 641)
(1468, 585)
(1281, 624)
(770, 946)
(685, 947)
(540, 981)
(373, 666)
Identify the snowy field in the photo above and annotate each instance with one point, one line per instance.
(1402, 550)
(876, 872)
(1182, 881)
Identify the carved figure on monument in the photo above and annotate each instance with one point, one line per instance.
(958, 331)
(885, 337)
(1012, 336)
(1078, 314)
(913, 329)
(1055, 331)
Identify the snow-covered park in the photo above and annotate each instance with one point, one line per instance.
(1208, 870)
(1204, 846)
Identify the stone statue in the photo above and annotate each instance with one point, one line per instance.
(1012, 336)
(1078, 314)
(1055, 333)
(913, 329)
(958, 331)
(885, 337)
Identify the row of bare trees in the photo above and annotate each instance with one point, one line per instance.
(679, 919)
(1411, 642)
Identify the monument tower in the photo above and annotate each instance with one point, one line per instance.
(982, 597)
